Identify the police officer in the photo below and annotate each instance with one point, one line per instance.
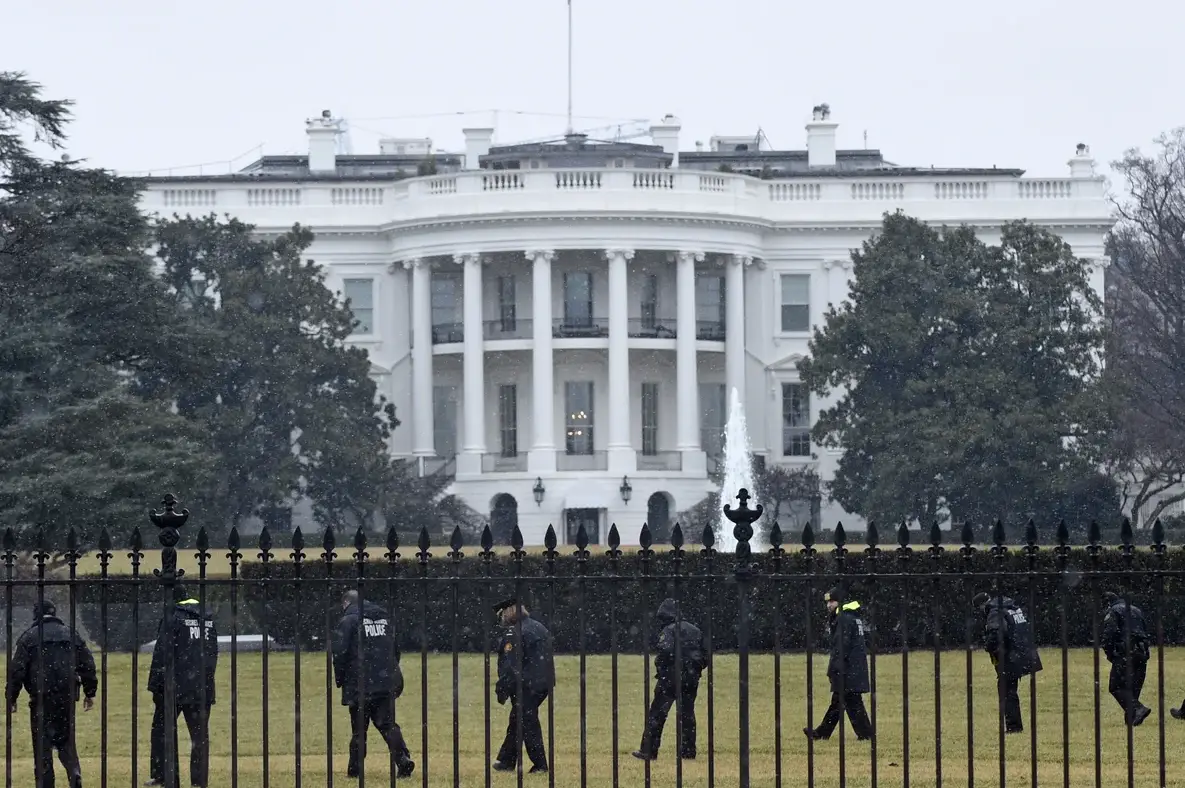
(1008, 638)
(52, 678)
(847, 669)
(676, 677)
(193, 640)
(524, 659)
(364, 641)
(1123, 622)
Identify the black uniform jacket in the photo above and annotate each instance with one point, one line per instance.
(537, 661)
(66, 660)
(849, 652)
(1019, 656)
(366, 640)
(690, 642)
(1120, 618)
(191, 636)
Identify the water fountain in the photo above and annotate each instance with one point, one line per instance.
(738, 471)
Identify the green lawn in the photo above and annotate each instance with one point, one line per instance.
(890, 759)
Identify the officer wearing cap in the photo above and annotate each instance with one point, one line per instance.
(1008, 638)
(526, 676)
(50, 662)
(1124, 624)
(193, 640)
(847, 669)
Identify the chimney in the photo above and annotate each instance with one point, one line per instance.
(820, 138)
(323, 133)
(665, 134)
(477, 144)
(1082, 165)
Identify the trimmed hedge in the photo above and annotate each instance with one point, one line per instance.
(920, 601)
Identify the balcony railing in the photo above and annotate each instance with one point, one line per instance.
(661, 461)
(709, 330)
(594, 461)
(516, 328)
(652, 328)
(500, 463)
(445, 333)
(581, 327)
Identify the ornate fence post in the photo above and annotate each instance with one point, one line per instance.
(169, 521)
(742, 519)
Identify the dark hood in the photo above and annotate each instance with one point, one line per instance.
(193, 607)
(995, 602)
(369, 610)
(668, 611)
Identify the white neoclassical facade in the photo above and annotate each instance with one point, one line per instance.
(559, 323)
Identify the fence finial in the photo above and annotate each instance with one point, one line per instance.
(742, 519)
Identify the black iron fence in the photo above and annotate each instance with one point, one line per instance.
(759, 676)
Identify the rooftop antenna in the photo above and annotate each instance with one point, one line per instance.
(569, 131)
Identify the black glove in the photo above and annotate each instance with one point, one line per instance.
(501, 694)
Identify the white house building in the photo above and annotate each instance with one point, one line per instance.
(558, 323)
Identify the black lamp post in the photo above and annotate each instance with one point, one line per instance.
(626, 489)
(538, 490)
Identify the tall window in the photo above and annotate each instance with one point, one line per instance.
(714, 405)
(578, 298)
(360, 293)
(507, 315)
(650, 419)
(508, 419)
(649, 302)
(444, 420)
(796, 420)
(578, 418)
(796, 302)
(709, 299)
(446, 299)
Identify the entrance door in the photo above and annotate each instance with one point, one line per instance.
(589, 518)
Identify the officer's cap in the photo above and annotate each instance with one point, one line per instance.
(505, 603)
(834, 595)
(980, 599)
(1110, 597)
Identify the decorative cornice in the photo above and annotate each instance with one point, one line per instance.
(547, 255)
(743, 260)
(467, 257)
(413, 262)
(626, 254)
(842, 263)
(683, 254)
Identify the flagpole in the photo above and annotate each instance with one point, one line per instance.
(569, 66)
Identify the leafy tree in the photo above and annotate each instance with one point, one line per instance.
(1147, 307)
(968, 375)
(289, 405)
(80, 312)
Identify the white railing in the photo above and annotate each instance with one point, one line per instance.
(669, 191)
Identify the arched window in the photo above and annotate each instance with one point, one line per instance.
(658, 517)
(503, 518)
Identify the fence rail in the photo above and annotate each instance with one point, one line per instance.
(938, 715)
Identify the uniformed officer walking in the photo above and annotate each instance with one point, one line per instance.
(1122, 623)
(193, 639)
(364, 642)
(678, 663)
(1008, 638)
(847, 669)
(524, 660)
(50, 662)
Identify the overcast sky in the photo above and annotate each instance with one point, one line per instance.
(1013, 83)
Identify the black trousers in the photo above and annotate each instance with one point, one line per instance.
(853, 703)
(197, 722)
(1007, 687)
(56, 734)
(660, 706)
(380, 710)
(1117, 685)
(528, 707)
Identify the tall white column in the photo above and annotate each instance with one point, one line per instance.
(473, 371)
(621, 453)
(423, 432)
(837, 280)
(734, 325)
(541, 458)
(686, 369)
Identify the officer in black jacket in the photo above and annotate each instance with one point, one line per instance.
(365, 642)
(676, 677)
(1008, 638)
(54, 676)
(193, 640)
(1123, 622)
(847, 669)
(524, 659)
